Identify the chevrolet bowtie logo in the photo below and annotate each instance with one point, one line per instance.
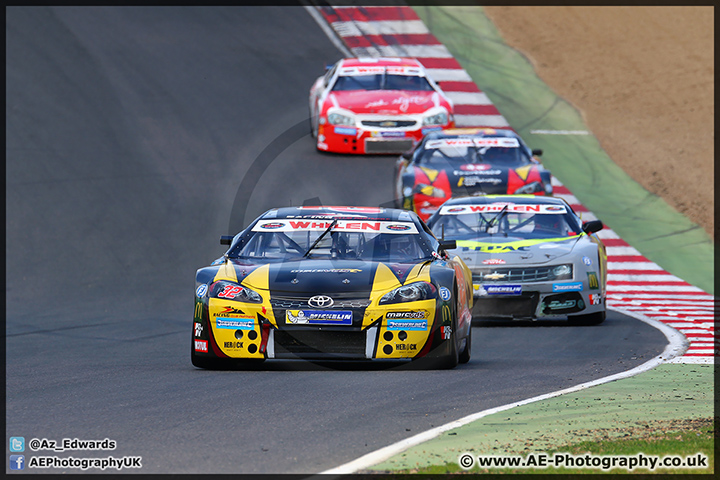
(388, 124)
(494, 276)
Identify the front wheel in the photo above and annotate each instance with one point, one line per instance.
(590, 319)
(465, 354)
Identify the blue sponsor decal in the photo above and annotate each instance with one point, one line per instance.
(392, 134)
(444, 294)
(503, 289)
(235, 323)
(346, 131)
(587, 261)
(568, 287)
(200, 292)
(318, 317)
(415, 325)
(430, 129)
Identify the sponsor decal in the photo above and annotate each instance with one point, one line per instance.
(201, 346)
(272, 225)
(558, 305)
(341, 226)
(497, 207)
(403, 346)
(593, 283)
(587, 261)
(567, 287)
(414, 315)
(198, 329)
(201, 290)
(231, 312)
(503, 289)
(446, 315)
(472, 181)
(318, 317)
(595, 299)
(230, 291)
(346, 131)
(399, 228)
(198, 311)
(446, 332)
(327, 270)
(239, 323)
(445, 294)
(430, 129)
(414, 325)
(494, 248)
(494, 261)
(233, 345)
(470, 175)
(475, 167)
(390, 134)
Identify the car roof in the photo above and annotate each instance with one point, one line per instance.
(342, 212)
(471, 132)
(380, 62)
(528, 199)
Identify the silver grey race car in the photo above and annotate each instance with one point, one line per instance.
(531, 257)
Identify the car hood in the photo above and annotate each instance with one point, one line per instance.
(470, 179)
(392, 102)
(311, 276)
(507, 252)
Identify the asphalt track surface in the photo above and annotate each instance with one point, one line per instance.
(129, 134)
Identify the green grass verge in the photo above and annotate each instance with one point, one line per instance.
(697, 438)
(641, 218)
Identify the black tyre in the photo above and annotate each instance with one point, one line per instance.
(590, 319)
(465, 354)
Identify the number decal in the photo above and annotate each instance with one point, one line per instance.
(230, 291)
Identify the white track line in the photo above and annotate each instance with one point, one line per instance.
(677, 345)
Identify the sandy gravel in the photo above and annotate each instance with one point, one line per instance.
(643, 79)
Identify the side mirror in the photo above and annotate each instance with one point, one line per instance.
(447, 245)
(226, 239)
(406, 155)
(537, 152)
(592, 226)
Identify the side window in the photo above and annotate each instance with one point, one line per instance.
(329, 75)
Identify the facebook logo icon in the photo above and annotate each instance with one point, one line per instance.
(17, 444)
(17, 462)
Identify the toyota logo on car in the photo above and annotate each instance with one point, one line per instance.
(320, 301)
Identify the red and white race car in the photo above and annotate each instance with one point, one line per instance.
(376, 105)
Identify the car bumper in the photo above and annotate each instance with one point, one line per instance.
(363, 140)
(536, 300)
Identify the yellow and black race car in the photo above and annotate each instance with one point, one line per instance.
(333, 283)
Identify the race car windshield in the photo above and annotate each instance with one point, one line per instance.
(382, 82)
(454, 155)
(368, 246)
(511, 225)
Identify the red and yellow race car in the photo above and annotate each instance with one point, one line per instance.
(376, 105)
(467, 161)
